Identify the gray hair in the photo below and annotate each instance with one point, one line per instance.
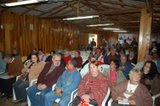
(135, 71)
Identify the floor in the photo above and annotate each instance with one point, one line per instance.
(8, 102)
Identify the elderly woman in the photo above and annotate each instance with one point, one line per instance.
(114, 75)
(132, 91)
(29, 73)
(93, 87)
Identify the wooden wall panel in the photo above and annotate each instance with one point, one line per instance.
(28, 32)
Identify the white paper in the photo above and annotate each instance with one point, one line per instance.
(123, 102)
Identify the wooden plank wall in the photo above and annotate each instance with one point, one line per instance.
(28, 32)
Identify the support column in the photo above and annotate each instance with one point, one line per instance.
(144, 34)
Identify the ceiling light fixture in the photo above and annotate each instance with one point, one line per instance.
(111, 29)
(98, 25)
(81, 17)
(21, 2)
(120, 31)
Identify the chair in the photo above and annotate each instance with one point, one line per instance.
(154, 97)
(106, 97)
(14, 95)
(103, 67)
(31, 84)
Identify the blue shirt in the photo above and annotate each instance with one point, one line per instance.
(2, 66)
(68, 81)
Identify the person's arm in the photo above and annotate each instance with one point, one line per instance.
(100, 93)
(73, 85)
(3, 67)
(81, 87)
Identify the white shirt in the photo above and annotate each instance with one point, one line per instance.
(130, 90)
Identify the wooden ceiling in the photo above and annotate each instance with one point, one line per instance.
(125, 14)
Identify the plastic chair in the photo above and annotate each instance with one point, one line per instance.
(106, 97)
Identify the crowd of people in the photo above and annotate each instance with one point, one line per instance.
(126, 77)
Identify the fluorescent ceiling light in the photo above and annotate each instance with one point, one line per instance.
(120, 31)
(97, 25)
(81, 17)
(22, 3)
(111, 29)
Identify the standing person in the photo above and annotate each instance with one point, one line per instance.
(29, 73)
(93, 43)
(46, 79)
(66, 83)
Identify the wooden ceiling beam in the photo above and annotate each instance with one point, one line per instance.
(30, 9)
(58, 10)
(53, 9)
(119, 3)
(33, 9)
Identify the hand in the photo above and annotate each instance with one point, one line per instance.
(120, 98)
(42, 86)
(86, 98)
(58, 92)
(132, 102)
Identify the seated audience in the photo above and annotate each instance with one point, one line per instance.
(150, 76)
(140, 65)
(93, 87)
(41, 55)
(29, 73)
(15, 66)
(2, 63)
(125, 66)
(78, 58)
(112, 56)
(132, 90)
(66, 83)
(33, 51)
(46, 79)
(66, 56)
(132, 57)
(49, 57)
(114, 75)
(85, 68)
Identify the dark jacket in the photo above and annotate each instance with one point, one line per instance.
(51, 78)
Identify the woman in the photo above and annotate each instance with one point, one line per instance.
(29, 73)
(113, 75)
(132, 91)
(93, 87)
(150, 77)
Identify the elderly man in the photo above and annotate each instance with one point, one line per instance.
(125, 66)
(66, 83)
(46, 79)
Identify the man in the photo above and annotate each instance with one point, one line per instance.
(14, 68)
(2, 63)
(46, 79)
(125, 66)
(66, 83)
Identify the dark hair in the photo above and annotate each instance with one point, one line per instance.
(74, 62)
(2, 54)
(36, 54)
(40, 50)
(78, 52)
(153, 70)
(95, 62)
(116, 62)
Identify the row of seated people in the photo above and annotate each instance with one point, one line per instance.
(112, 77)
